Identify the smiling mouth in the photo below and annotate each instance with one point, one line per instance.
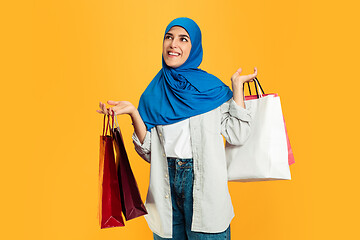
(172, 54)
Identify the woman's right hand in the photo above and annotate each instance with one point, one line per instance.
(125, 107)
(120, 107)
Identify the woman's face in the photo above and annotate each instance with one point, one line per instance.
(176, 46)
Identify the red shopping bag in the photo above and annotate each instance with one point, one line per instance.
(291, 159)
(132, 205)
(109, 202)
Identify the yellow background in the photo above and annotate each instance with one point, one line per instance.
(60, 58)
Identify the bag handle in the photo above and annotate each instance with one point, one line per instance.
(104, 126)
(108, 123)
(116, 122)
(117, 126)
(257, 89)
(258, 82)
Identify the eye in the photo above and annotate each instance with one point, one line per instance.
(167, 36)
(184, 39)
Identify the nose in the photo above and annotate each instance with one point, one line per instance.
(174, 43)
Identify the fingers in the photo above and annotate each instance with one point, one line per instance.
(117, 109)
(240, 70)
(114, 103)
(255, 73)
(103, 108)
(237, 73)
(118, 106)
(101, 111)
(252, 76)
(111, 111)
(244, 78)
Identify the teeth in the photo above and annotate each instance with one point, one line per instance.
(175, 54)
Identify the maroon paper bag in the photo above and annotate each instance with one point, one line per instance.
(132, 205)
(109, 202)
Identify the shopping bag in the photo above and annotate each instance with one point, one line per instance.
(109, 202)
(291, 159)
(132, 205)
(264, 156)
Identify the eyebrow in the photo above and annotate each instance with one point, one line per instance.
(181, 35)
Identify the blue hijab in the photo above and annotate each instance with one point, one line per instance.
(176, 94)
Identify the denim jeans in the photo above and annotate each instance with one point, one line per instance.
(181, 177)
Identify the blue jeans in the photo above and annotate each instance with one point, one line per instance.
(181, 177)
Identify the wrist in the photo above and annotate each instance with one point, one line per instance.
(134, 114)
(237, 87)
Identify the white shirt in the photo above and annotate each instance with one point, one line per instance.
(177, 139)
(212, 207)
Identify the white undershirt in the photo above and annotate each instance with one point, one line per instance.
(177, 139)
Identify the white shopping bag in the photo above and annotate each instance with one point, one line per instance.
(264, 156)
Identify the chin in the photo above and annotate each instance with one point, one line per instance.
(173, 65)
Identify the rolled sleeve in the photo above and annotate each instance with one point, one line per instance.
(239, 112)
(143, 149)
(235, 123)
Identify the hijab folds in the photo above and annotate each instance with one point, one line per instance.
(176, 94)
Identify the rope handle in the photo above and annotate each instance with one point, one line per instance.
(108, 123)
(116, 122)
(257, 89)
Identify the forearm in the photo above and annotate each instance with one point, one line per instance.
(238, 94)
(139, 125)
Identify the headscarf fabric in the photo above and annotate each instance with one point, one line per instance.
(176, 94)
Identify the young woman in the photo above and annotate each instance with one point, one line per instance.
(178, 128)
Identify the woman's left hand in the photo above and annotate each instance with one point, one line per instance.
(238, 79)
(237, 85)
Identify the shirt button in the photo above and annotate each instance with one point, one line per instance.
(164, 155)
(166, 175)
(167, 196)
(160, 134)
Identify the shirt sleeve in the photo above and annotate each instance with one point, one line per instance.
(143, 149)
(235, 122)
